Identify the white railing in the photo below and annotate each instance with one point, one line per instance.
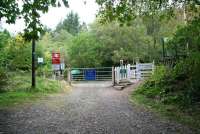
(134, 72)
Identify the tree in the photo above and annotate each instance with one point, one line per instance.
(127, 43)
(55, 41)
(127, 10)
(70, 24)
(85, 51)
(4, 40)
(30, 12)
(9, 10)
(19, 54)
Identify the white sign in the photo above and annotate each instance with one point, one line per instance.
(56, 67)
(62, 66)
(40, 60)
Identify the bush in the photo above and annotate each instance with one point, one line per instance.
(3, 79)
(180, 85)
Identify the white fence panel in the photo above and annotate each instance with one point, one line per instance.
(130, 72)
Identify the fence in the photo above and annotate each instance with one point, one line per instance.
(91, 74)
(128, 72)
(132, 72)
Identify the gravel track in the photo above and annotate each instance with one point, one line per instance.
(90, 108)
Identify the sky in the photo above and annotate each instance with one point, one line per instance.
(87, 13)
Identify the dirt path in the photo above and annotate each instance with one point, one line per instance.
(91, 108)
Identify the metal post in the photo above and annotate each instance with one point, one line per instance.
(33, 64)
(153, 67)
(69, 76)
(163, 48)
(113, 76)
(138, 72)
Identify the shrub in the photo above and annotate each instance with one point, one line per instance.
(3, 79)
(152, 87)
(180, 85)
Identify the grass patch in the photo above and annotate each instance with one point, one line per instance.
(15, 98)
(190, 116)
(19, 89)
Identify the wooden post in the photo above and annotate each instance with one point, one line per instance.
(69, 76)
(153, 67)
(113, 76)
(33, 64)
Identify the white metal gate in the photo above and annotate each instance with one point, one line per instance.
(134, 72)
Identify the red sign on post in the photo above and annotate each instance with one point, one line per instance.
(55, 58)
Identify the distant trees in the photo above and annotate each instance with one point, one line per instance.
(71, 24)
(85, 51)
(127, 43)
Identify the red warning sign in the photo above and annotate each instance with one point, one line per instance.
(55, 58)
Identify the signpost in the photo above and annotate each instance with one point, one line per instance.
(56, 61)
(55, 58)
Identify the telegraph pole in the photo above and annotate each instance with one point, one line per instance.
(33, 48)
(33, 64)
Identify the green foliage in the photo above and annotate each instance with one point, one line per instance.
(3, 79)
(179, 86)
(85, 51)
(21, 57)
(4, 40)
(127, 43)
(18, 54)
(18, 89)
(56, 41)
(71, 24)
(30, 11)
(127, 10)
(188, 116)
(20, 82)
(151, 88)
(9, 10)
(184, 36)
(13, 98)
(159, 73)
(31, 14)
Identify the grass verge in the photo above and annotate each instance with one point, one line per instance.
(19, 90)
(189, 117)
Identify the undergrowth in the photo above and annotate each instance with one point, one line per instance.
(174, 92)
(18, 89)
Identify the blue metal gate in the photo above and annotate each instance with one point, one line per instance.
(90, 74)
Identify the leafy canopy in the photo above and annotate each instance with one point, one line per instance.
(30, 11)
(70, 24)
(127, 10)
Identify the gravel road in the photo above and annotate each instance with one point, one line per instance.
(89, 108)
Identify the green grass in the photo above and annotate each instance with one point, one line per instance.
(19, 90)
(16, 98)
(190, 117)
